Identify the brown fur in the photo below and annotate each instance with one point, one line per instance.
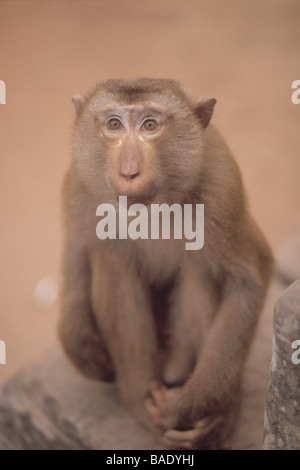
(148, 310)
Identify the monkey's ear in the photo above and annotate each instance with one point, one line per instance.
(78, 102)
(204, 109)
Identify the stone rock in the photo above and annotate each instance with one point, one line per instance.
(51, 406)
(282, 416)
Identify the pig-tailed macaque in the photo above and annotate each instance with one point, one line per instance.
(171, 326)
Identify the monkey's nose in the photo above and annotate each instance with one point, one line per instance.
(129, 176)
(129, 169)
(130, 162)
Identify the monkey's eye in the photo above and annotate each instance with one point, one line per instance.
(149, 125)
(114, 124)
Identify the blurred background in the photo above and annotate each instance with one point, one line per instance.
(245, 54)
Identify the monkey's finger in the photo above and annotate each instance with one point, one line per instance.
(152, 409)
(191, 438)
(159, 395)
(175, 435)
(155, 413)
(184, 443)
(157, 385)
(181, 442)
(208, 423)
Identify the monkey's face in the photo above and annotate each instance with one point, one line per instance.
(148, 148)
(133, 135)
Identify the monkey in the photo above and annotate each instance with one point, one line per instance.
(171, 327)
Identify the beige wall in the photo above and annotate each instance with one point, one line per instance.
(246, 54)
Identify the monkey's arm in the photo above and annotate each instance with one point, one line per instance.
(245, 270)
(78, 332)
(203, 407)
(200, 414)
(220, 362)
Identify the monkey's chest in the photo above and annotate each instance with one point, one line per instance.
(159, 260)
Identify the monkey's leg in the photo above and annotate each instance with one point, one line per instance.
(79, 335)
(123, 311)
(191, 308)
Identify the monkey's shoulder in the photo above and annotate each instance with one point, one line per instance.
(78, 206)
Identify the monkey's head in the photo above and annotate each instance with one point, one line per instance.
(143, 139)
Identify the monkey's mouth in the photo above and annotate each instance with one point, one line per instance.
(141, 198)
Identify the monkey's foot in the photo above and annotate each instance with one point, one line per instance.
(202, 436)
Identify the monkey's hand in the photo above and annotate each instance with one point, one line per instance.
(161, 404)
(202, 434)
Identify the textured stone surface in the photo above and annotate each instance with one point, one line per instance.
(50, 406)
(282, 419)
